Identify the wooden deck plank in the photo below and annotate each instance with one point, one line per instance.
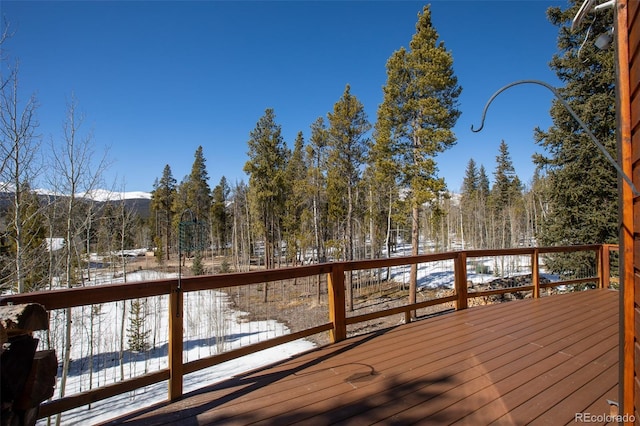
(510, 361)
(509, 377)
(519, 389)
(526, 360)
(392, 356)
(591, 396)
(436, 367)
(562, 385)
(474, 390)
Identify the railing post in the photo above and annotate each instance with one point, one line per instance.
(175, 342)
(337, 310)
(604, 266)
(535, 273)
(460, 273)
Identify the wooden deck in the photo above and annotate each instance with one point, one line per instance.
(529, 361)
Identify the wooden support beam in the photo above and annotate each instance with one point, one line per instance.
(460, 272)
(176, 313)
(535, 273)
(337, 310)
(628, 369)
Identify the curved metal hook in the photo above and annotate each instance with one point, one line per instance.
(582, 124)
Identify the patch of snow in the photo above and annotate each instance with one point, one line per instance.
(54, 244)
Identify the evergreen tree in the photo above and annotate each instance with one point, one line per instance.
(582, 190)
(316, 164)
(295, 199)
(348, 146)
(469, 203)
(471, 181)
(266, 169)
(505, 200)
(483, 183)
(383, 174)
(107, 241)
(417, 114)
(506, 184)
(241, 236)
(198, 191)
(162, 205)
(197, 267)
(482, 216)
(137, 332)
(220, 220)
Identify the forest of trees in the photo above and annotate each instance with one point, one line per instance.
(354, 188)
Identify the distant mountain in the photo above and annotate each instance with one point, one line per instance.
(105, 195)
(136, 201)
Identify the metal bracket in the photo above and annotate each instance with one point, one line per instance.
(582, 124)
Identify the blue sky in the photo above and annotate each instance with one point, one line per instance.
(156, 79)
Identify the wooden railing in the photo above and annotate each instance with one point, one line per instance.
(337, 314)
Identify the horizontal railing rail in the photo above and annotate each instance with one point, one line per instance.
(337, 316)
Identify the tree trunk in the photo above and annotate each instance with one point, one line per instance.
(68, 269)
(121, 348)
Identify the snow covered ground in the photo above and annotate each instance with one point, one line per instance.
(440, 274)
(97, 335)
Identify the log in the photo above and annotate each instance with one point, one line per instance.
(27, 377)
(23, 319)
(15, 365)
(41, 381)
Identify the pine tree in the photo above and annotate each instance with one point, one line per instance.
(505, 200)
(506, 184)
(241, 236)
(137, 332)
(582, 189)
(348, 147)
(198, 191)
(162, 204)
(470, 183)
(469, 203)
(383, 173)
(295, 198)
(417, 114)
(316, 163)
(220, 220)
(197, 267)
(482, 216)
(268, 156)
(347, 143)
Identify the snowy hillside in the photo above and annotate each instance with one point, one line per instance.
(104, 195)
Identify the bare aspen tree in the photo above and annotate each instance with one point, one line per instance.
(19, 165)
(74, 171)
